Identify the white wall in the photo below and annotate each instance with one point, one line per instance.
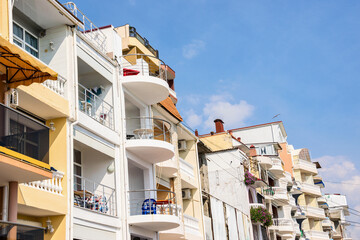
(261, 134)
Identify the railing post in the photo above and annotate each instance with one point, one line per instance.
(84, 196)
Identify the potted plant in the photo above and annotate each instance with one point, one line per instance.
(261, 216)
(249, 178)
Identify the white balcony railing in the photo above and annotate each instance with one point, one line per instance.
(256, 205)
(311, 189)
(57, 86)
(305, 165)
(89, 30)
(52, 185)
(191, 225)
(314, 212)
(313, 234)
(186, 168)
(282, 222)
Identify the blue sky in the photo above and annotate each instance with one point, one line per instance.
(251, 60)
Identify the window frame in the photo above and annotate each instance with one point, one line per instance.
(23, 42)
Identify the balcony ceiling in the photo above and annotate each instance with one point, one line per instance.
(43, 13)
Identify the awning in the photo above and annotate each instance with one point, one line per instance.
(20, 67)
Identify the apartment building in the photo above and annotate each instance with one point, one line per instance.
(272, 164)
(225, 194)
(336, 210)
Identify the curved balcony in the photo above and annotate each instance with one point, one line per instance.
(149, 139)
(154, 210)
(280, 196)
(146, 77)
(277, 169)
(265, 162)
(168, 168)
(283, 225)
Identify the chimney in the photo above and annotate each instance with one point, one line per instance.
(196, 133)
(252, 151)
(219, 125)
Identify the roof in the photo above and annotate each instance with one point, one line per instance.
(259, 125)
(169, 106)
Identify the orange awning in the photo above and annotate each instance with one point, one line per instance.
(171, 108)
(20, 67)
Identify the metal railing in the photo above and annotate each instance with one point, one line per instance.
(94, 196)
(142, 64)
(282, 222)
(268, 191)
(151, 202)
(144, 41)
(95, 107)
(89, 30)
(24, 135)
(11, 230)
(148, 128)
(57, 86)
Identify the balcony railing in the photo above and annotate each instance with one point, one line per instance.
(24, 135)
(282, 222)
(148, 128)
(186, 167)
(305, 165)
(143, 65)
(191, 224)
(314, 211)
(95, 107)
(57, 86)
(50, 185)
(152, 202)
(89, 30)
(311, 189)
(256, 205)
(94, 196)
(11, 230)
(144, 41)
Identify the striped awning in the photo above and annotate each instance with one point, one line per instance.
(21, 68)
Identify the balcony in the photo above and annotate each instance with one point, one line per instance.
(292, 202)
(52, 185)
(256, 205)
(312, 234)
(327, 224)
(192, 230)
(280, 196)
(187, 174)
(95, 107)
(321, 200)
(154, 210)
(94, 196)
(133, 33)
(314, 212)
(24, 146)
(283, 225)
(10, 230)
(277, 169)
(149, 138)
(305, 166)
(168, 168)
(174, 233)
(145, 77)
(57, 86)
(88, 31)
(265, 162)
(311, 189)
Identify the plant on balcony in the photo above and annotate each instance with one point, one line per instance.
(249, 178)
(261, 215)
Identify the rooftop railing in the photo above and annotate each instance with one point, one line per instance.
(143, 65)
(95, 107)
(24, 135)
(144, 41)
(148, 128)
(11, 230)
(89, 30)
(94, 196)
(152, 202)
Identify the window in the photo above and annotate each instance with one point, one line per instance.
(77, 170)
(26, 40)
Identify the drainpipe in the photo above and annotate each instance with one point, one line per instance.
(71, 138)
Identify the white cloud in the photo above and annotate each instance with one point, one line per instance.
(340, 175)
(193, 119)
(223, 106)
(192, 49)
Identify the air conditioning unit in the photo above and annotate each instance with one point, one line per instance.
(186, 193)
(13, 98)
(182, 145)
